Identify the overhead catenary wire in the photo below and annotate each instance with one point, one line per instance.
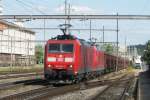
(31, 6)
(25, 8)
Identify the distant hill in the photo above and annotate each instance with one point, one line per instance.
(140, 49)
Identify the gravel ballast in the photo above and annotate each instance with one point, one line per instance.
(80, 95)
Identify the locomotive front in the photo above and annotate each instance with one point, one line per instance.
(59, 61)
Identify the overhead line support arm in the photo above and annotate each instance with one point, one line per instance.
(120, 17)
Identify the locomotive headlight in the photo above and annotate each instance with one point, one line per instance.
(70, 66)
(49, 66)
(51, 59)
(68, 59)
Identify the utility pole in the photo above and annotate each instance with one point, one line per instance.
(11, 56)
(28, 57)
(69, 19)
(103, 35)
(125, 53)
(117, 44)
(90, 30)
(65, 10)
(44, 39)
(44, 29)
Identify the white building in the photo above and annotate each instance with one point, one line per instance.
(16, 44)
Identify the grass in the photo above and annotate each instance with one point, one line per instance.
(131, 69)
(19, 69)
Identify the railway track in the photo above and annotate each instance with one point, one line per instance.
(9, 76)
(11, 85)
(50, 91)
(117, 90)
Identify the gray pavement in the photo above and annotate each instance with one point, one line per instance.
(144, 86)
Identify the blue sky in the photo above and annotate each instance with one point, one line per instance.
(136, 32)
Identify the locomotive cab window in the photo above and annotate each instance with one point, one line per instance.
(56, 48)
(67, 48)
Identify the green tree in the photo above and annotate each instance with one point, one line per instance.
(39, 50)
(108, 48)
(146, 54)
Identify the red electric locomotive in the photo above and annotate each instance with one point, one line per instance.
(68, 59)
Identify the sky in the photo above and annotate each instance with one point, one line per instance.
(136, 32)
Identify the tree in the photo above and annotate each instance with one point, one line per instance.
(146, 54)
(39, 50)
(108, 48)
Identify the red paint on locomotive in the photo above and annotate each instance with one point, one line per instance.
(72, 59)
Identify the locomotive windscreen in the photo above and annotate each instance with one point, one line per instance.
(67, 47)
(56, 48)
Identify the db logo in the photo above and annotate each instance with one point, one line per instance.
(60, 59)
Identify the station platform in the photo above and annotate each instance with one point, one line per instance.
(144, 86)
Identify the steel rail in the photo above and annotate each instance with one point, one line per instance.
(73, 88)
(11, 85)
(107, 88)
(46, 92)
(125, 93)
(126, 83)
(8, 76)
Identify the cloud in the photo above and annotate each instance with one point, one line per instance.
(77, 10)
(40, 8)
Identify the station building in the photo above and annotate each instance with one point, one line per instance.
(16, 45)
